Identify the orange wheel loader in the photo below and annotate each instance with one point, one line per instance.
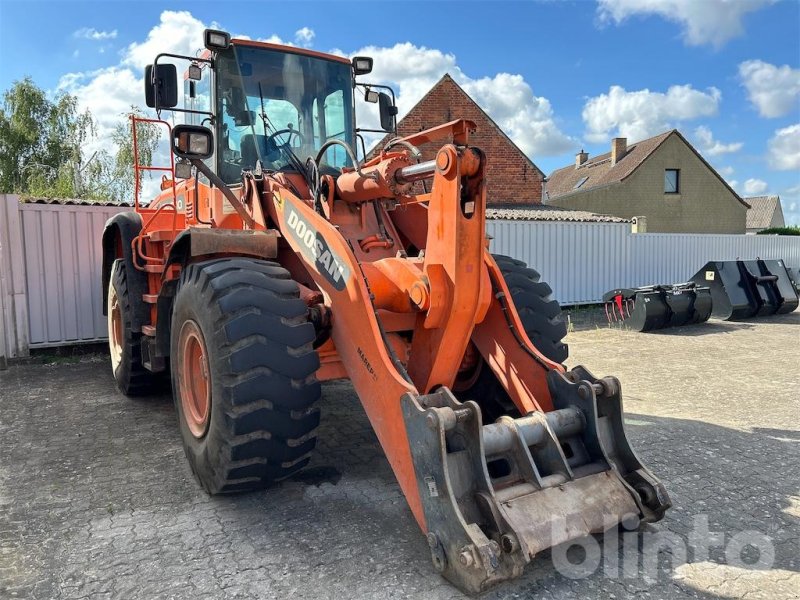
(273, 259)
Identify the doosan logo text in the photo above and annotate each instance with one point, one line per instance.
(315, 247)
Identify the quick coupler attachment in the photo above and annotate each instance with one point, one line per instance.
(496, 495)
(658, 306)
(742, 289)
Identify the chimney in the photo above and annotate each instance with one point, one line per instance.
(619, 146)
(580, 158)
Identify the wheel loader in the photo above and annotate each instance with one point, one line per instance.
(274, 259)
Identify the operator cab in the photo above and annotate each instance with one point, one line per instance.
(269, 104)
(272, 102)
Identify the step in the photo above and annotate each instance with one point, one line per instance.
(161, 235)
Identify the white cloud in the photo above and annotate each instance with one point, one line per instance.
(733, 183)
(725, 171)
(507, 98)
(304, 36)
(713, 22)
(754, 187)
(708, 145)
(641, 114)
(784, 149)
(773, 90)
(177, 32)
(108, 93)
(90, 33)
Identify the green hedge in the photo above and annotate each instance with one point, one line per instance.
(790, 230)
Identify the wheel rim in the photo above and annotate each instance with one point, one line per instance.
(194, 379)
(115, 327)
(469, 370)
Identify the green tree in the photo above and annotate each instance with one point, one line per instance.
(41, 148)
(122, 169)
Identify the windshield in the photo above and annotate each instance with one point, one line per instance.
(269, 101)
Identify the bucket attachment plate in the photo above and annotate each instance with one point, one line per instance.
(659, 306)
(748, 288)
(496, 495)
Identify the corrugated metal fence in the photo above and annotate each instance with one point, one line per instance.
(582, 261)
(50, 261)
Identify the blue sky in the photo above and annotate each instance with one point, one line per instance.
(557, 76)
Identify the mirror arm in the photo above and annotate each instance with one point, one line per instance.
(226, 191)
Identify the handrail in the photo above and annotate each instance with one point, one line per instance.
(138, 168)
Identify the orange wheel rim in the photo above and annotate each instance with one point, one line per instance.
(115, 329)
(469, 370)
(194, 379)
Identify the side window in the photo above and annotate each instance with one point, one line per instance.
(197, 95)
(672, 181)
(334, 113)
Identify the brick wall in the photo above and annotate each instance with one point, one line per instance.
(511, 178)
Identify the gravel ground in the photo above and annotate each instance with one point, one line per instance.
(96, 498)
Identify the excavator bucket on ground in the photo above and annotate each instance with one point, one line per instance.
(658, 306)
(743, 289)
(291, 262)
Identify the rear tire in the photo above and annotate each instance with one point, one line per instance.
(243, 373)
(541, 318)
(125, 345)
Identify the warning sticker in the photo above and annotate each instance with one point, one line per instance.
(709, 275)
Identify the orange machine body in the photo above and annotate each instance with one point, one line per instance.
(388, 310)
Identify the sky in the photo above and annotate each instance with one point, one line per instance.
(557, 76)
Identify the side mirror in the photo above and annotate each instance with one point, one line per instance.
(163, 85)
(192, 141)
(388, 111)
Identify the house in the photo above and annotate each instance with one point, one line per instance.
(512, 178)
(765, 212)
(663, 179)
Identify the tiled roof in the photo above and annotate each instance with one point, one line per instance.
(550, 213)
(762, 208)
(73, 201)
(599, 171)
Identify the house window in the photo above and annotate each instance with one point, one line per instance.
(672, 181)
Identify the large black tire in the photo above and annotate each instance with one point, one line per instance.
(261, 424)
(541, 318)
(539, 311)
(125, 346)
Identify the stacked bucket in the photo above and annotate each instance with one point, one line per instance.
(730, 290)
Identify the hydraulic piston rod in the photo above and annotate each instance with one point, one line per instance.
(416, 172)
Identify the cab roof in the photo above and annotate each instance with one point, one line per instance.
(291, 49)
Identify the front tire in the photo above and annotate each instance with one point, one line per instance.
(243, 373)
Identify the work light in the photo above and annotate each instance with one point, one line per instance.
(216, 40)
(362, 65)
(195, 73)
